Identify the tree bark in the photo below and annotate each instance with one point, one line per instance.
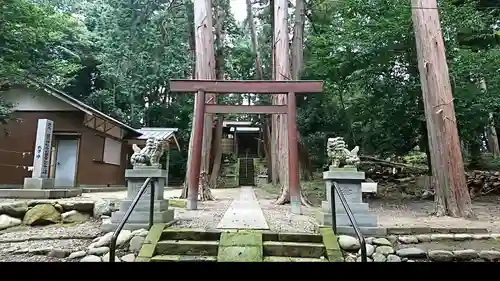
(273, 124)
(255, 45)
(205, 69)
(282, 72)
(452, 197)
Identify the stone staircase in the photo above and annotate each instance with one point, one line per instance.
(165, 244)
(246, 172)
(290, 247)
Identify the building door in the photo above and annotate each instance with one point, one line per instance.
(66, 158)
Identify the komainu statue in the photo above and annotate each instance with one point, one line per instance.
(339, 155)
(149, 155)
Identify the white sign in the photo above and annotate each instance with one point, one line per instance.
(43, 145)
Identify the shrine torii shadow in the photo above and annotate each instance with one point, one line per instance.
(288, 87)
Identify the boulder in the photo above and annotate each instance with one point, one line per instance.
(86, 207)
(73, 216)
(15, 209)
(91, 258)
(7, 221)
(348, 243)
(41, 215)
(104, 207)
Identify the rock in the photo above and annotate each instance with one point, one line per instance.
(410, 239)
(423, 238)
(382, 242)
(136, 244)
(481, 236)
(40, 251)
(411, 253)
(58, 253)
(404, 259)
(77, 254)
(440, 255)
(140, 232)
(490, 255)
(350, 259)
(393, 258)
(86, 207)
(128, 258)
(98, 251)
(369, 240)
(462, 236)
(348, 243)
(105, 258)
(124, 237)
(41, 215)
(96, 239)
(358, 259)
(104, 207)
(7, 221)
(73, 216)
(465, 255)
(441, 237)
(103, 241)
(384, 250)
(377, 257)
(91, 258)
(410, 261)
(393, 239)
(15, 209)
(58, 207)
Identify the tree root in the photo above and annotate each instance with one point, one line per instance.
(285, 198)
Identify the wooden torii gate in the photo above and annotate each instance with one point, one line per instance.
(200, 87)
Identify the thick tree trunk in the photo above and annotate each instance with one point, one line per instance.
(452, 197)
(274, 118)
(219, 70)
(205, 69)
(282, 72)
(192, 47)
(255, 46)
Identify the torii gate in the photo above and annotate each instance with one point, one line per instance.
(200, 87)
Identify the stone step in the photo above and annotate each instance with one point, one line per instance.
(292, 259)
(173, 258)
(111, 226)
(292, 237)
(185, 247)
(293, 249)
(362, 220)
(189, 234)
(141, 216)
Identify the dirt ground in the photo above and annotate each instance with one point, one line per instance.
(411, 213)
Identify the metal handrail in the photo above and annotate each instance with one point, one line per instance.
(357, 231)
(112, 244)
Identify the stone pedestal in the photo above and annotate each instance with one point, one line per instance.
(349, 182)
(140, 216)
(38, 183)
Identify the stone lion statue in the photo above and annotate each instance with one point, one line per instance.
(149, 155)
(339, 155)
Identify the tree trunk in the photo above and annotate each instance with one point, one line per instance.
(452, 197)
(491, 132)
(192, 47)
(282, 72)
(205, 69)
(219, 71)
(255, 46)
(274, 118)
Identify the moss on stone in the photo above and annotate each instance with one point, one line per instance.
(147, 250)
(241, 238)
(178, 203)
(331, 243)
(240, 254)
(154, 233)
(240, 246)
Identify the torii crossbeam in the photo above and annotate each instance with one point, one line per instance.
(200, 87)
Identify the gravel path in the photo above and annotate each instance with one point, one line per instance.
(280, 218)
(209, 213)
(416, 214)
(56, 237)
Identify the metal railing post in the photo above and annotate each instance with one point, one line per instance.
(350, 215)
(119, 228)
(152, 205)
